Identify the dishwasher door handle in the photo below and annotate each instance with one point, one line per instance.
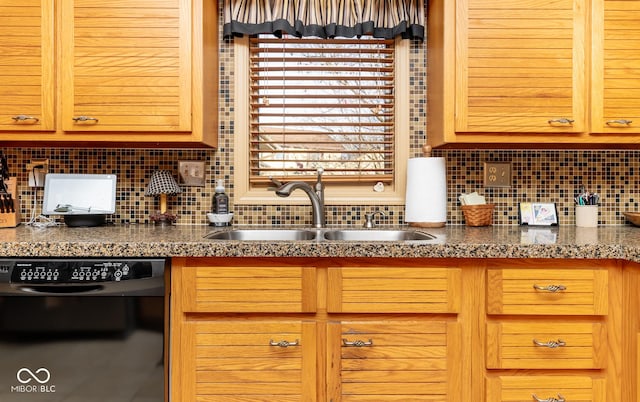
(52, 289)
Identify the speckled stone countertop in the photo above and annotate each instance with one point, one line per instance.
(609, 242)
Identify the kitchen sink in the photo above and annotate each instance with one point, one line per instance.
(262, 235)
(376, 235)
(371, 235)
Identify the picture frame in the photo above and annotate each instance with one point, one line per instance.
(538, 214)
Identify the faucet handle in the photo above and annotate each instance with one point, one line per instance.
(368, 218)
(319, 178)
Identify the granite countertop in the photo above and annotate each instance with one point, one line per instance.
(616, 242)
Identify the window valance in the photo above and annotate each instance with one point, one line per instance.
(325, 18)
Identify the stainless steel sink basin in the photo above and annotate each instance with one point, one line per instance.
(376, 235)
(364, 235)
(262, 235)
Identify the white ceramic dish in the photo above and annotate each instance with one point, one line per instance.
(220, 218)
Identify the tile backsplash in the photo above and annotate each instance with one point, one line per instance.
(544, 176)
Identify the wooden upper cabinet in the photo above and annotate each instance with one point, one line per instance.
(616, 68)
(126, 65)
(508, 71)
(27, 65)
(120, 72)
(520, 66)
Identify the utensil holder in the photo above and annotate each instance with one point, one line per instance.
(587, 216)
(478, 215)
(11, 219)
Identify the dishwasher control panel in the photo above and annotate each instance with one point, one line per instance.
(75, 271)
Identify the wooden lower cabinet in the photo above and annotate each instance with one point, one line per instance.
(391, 330)
(236, 360)
(553, 331)
(541, 345)
(550, 388)
(393, 360)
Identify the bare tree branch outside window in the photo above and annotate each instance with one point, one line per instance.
(322, 103)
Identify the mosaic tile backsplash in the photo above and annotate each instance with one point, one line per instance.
(543, 176)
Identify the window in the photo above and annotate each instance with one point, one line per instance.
(322, 103)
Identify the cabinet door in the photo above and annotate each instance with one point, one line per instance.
(249, 288)
(126, 65)
(545, 388)
(540, 345)
(394, 289)
(258, 361)
(520, 66)
(547, 291)
(394, 360)
(27, 65)
(616, 67)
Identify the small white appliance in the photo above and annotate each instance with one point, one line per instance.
(83, 199)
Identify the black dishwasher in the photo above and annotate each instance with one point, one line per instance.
(84, 329)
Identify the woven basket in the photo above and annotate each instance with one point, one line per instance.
(478, 215)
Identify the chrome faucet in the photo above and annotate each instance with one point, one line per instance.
(315, 193)
(368, 219)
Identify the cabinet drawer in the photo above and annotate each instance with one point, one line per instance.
(394, 290)
(547, 291)
(561, 345)
(394, 360)
(249, 289)
(545, 388)
(238, 360)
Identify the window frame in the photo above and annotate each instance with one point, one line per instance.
(335, 193)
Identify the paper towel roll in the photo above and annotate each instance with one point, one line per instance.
(426, 198)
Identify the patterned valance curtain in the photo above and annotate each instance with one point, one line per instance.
(325, 18)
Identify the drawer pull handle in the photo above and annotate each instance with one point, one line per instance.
(22, 117)
(622, 122)
(550, 344)
(284, 344)
(357, 343)
(562, 120)
(550, 288)
(560, 398)
(84, 118)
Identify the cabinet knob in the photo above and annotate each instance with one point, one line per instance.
(560, 398)
(619, 122)
(550, 344)
(357, 343)
(284, 344)
(562, 121)
(550, 288)
(22, 117)
(84, 118)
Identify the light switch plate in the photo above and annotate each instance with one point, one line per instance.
(191, 173)
(497, 174)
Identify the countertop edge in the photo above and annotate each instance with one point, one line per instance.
(612, 242)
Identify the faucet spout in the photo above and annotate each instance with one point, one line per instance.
(315, 194)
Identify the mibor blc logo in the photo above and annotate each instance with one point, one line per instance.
(33, 381)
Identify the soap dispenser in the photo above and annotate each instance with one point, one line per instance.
(220, 203)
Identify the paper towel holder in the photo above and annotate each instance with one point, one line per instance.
(426, 151)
